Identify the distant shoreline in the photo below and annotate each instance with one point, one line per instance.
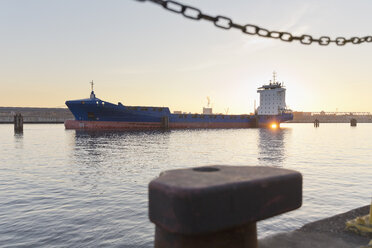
(35, 115)
(331, 121)
(39, 122)
(60, 115)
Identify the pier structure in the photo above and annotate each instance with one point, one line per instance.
(327, 232)
(35, 115)
(218, 206)
(331, 117)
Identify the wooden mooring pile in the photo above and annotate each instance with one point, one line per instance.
(353, 122)
(18, 123)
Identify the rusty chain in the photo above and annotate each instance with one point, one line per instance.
(227, 23)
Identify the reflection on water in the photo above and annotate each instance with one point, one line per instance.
(271, 144)
(65, 188)
(18, 140)
(116, 133)
(121, 155)
(119, 147)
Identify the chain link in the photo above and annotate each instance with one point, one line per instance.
(224, 22)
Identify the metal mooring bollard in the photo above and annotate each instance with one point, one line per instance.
(218, 206)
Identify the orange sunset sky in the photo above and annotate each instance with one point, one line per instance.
(140, 54)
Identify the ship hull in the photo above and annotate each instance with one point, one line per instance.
(108, 125)
(121, 125)
(95, 114)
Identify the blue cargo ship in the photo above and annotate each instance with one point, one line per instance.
(94, 113)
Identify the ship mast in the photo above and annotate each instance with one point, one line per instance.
(274, 77)
(92, 95)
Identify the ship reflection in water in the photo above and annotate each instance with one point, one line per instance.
(271, 144)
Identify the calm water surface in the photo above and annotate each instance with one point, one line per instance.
(63, 188)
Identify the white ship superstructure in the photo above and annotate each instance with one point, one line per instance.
(272, 98)
(208, 110)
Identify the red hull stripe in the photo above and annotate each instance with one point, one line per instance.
(96, 125)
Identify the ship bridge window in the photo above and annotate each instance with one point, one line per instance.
(160, 109)
(180, 116)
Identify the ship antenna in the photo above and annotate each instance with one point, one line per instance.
(92, 95)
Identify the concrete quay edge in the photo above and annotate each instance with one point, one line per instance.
(329, 232)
